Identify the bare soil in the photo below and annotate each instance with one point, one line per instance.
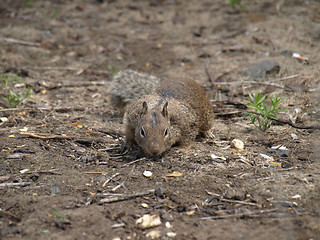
(63, 151)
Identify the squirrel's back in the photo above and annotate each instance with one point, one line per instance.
(191, 94)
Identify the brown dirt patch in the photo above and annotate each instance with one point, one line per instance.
(81, 42)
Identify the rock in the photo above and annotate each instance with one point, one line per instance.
(171, 234)
(147, 173)
(148, 221)
(238, 144)
(153, 234)
(159, 192)
(54, 190)
(262, 69)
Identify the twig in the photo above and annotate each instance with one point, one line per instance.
(138, 160)
(240, 214)
(72, 84)
(285, 78)
(78, 70)
(238, 104)
(126, 197)
(210, 79)
(4, 213)
(109, 179)
(54, 108)
(240, 202)
(228, 113)
(249, 82)
(43, 172)
(22, 184)
(47, 136)
(119, 186)
(22, 42)
(61, 109)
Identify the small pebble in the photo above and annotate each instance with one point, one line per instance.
(55, 191)
(240, 236)
(147, 173)
(294, 136)
(153, 234)
(144, 205)
(168, 225)
(297, 196)
(159, 192)
(238, 144)
(148, 221)
(171, 234)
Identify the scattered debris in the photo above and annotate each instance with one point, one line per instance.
(153, 234)
(3, 119)
(237, 144)
(300, 58)
(24, 170)
(245, 160)
(148, 221)
(294, 136)
(213, 156)
(266, 156)
(118, 225)
(144, 205)
(275, 163)
(171, 234)
(168, 225)
(22, 184)
(297, 196)
(241, 215)
(46, 135)
(279, 150)
(174, 174)
(147, 173)
(124, 197)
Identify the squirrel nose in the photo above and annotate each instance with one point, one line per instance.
(154, 150)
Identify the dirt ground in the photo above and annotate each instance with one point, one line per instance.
(63, 154)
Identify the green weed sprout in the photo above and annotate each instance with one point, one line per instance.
(235, 3)
(264, 114)
(14, 98)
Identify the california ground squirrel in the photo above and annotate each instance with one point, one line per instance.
(174, 114)
(128, 86)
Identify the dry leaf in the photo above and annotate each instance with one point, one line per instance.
(174, 174)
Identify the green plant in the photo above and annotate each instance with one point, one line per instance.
(113, 70)
(264, 114)
(28, 4)
(235, 3)
(14, 98)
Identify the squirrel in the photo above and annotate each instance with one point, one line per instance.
(171, 113)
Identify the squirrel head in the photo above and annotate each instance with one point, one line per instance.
(153, 132)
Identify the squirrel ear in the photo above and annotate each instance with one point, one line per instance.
(144, 107)
(165, 110)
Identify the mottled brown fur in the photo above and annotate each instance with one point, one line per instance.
(174, 114)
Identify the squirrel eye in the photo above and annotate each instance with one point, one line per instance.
(142, 133)
(166, 132)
